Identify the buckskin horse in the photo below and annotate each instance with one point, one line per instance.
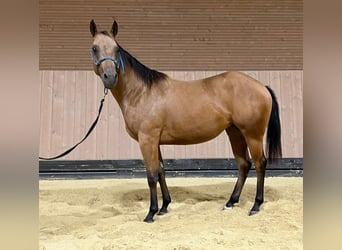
(160, 110)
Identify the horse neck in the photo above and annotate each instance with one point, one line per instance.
(129, 89)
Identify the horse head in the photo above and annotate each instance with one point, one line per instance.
(105, 55)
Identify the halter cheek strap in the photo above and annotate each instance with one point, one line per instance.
(121, 62)
(102, 59)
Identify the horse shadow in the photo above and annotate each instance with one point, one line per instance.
(201, 193)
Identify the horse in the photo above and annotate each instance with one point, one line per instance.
(159, 110)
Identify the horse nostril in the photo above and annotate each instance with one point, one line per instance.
(109, 78)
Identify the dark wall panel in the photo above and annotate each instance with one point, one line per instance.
(177, 35)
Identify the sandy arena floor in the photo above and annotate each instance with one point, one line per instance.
(107, 214)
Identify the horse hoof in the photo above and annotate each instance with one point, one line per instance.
(148, 220)
(252, 212)
(162, 212)
(227, 207)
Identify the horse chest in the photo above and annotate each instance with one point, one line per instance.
(137, 121)
(132, 122)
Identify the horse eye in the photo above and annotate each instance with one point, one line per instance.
(94, 49)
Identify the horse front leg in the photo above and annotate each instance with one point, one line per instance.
(149, 150)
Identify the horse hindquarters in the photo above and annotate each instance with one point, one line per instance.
(252, 137)
(273, 138)
(255, 145)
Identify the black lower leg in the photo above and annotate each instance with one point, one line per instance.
(164, 189)
(152, 183)
(259, 198)
(256, 207)
(243, 172)
(234, 198)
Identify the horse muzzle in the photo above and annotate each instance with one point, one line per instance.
(109, 79)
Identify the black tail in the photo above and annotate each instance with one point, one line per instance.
(274, 131)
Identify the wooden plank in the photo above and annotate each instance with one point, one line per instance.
(46, 85)
(297, 100)
(102, 127)
(80, 128)
(287, 114)
(69, 111)
(57, 113)
(91, 112)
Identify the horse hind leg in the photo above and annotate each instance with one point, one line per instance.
(256, 148)
(239, 147)
(165, 191)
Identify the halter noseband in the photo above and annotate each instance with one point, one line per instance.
(102, 59)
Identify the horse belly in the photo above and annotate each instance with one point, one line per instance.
(193, 130)
(187, 139)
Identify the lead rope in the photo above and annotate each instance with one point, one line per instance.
(85, 137)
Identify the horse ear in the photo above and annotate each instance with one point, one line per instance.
(115, 28)
(93, 29)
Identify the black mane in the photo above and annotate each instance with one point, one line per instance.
(147, 75)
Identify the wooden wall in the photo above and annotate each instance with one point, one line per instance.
(70, 99)
(177, 35)
(187, 40)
